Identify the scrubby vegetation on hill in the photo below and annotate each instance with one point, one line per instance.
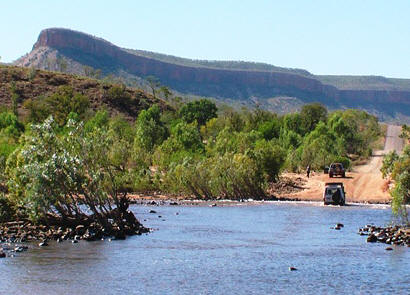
(66, 156)
(28, 90)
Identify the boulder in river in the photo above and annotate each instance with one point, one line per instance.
(371, 238)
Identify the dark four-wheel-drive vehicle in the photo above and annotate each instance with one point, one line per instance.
(336, 169)
(334, 194)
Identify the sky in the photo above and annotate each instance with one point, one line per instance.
(349, 37)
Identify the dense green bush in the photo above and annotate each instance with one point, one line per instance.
(200, 111)
(119, 96)
(398, 168)
(60, 104)
(66, 175)
(150, 131)
(192, 151)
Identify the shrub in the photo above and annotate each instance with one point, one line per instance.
(60, 104)
(119, 96)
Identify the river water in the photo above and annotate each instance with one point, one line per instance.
(238, 249)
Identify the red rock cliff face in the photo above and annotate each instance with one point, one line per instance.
(178, 76)
(67, 39)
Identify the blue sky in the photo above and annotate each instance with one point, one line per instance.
(325, 37)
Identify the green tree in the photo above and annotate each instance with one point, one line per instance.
(319, 147)
(200, 111)
(405, 132)
(165, 92)
(184, 142)
(398, 168)
(60, 178)
(270, 129)
(153, 83)
(101, 119)
(270, 158)
(149, 129)
(293, 122)
(311, 115)
(10, 131)
(388, 163)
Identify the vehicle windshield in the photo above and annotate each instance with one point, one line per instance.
(331, 191)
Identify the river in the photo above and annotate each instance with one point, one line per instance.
(238, 249)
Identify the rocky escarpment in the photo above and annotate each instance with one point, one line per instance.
(235, 83)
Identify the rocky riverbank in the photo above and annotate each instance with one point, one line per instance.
(13, 235)
(395, 235)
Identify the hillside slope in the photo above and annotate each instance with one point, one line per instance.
(274, 88)
(31, 84)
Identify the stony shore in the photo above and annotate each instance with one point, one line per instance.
(14, 234)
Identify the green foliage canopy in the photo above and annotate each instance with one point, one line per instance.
(200, 111)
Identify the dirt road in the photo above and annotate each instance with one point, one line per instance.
(364, 184)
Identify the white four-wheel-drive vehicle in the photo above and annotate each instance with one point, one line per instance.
(334, 193)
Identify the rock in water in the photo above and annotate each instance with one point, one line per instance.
(389, 249)
(291, 268)
(371, 238)
(152, 211)
(43, 244)
(2, 254)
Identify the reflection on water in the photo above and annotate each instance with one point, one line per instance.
(222, 250)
